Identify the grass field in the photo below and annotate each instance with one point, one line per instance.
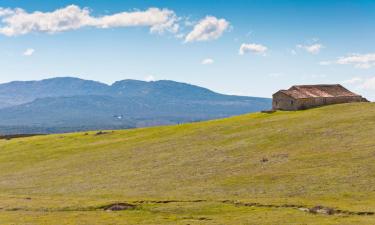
(195, 173)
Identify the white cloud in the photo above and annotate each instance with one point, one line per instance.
(180, 35)
(354, 80)
(362, 83)
(313, 49)
(5, 11)
(325, 63)
(207, 61)
(362, 61)
(188, 22)
(369, 84)
(150, 78)
(18, 22)
(209, 28)
(254, 48)
(29, 52)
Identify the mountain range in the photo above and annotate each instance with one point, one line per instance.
(71, 104)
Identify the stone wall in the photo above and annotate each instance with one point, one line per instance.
(306, 103)
(282, 101)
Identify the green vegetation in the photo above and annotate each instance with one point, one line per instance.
(323, 156)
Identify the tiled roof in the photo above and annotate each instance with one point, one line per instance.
(315, 91)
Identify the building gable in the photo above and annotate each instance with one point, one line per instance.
(318, 91)
(308, 96)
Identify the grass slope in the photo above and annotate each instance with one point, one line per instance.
(323, 156)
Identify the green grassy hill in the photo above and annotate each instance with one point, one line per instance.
(211, 172)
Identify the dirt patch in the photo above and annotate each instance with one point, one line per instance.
(119, 207)
(9, 137)
(264, 160)
(332, 211)
(101, 133)
(15, 209)
(314, 210)
(196, 218)
(322, 210)
(169, 201)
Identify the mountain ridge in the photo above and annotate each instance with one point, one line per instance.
(69, 104)
(20, 92)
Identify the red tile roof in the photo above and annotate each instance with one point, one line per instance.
(315, 91)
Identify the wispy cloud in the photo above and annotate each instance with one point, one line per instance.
(207, 61)
(313, 48)
(252, 48)
(29, 52)
(19, 22)
(209, 28)
(6, 11)
(362, 83)
(363, 61)
(150, 78)
(354, 80)
(369, 84)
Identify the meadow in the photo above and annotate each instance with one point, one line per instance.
(259, 168)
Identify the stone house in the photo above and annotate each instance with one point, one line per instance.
(308, 96)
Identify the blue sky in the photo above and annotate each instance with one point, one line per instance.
(199, 42)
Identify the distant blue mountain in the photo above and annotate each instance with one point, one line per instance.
(19, 92)
(72, 104)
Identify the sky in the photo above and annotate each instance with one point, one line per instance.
(249, 47)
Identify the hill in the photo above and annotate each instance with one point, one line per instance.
(21, 92)
(71, 104)
(252, 169)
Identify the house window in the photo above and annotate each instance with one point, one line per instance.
(291, 102)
